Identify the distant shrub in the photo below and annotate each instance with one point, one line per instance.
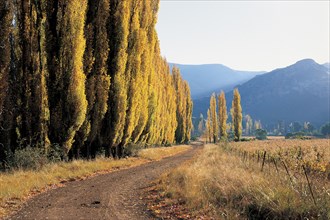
(55, 153)
(100, 153)
(325, 129)
(297, 135)
(246, 139)
(33, 158)
(132, 150)
(289, 136)
(194, 138)
(170, 145)
(29, 158)
(223, 139)
(261, 134)
(231, 136)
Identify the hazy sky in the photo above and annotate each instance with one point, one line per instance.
(244, 35)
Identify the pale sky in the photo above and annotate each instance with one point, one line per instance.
(244, 35)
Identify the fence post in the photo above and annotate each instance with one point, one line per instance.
(258, 157)
(309, 185)
(287, 171)
(275, 164)
(263, 161)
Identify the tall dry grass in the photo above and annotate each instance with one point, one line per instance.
(314, 154)
(19, 185)
(223, 184)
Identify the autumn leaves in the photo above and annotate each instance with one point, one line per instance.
(216, 124)
(87, 75)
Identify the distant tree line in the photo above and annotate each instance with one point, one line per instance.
(215, 126)
(87, 76)
(216, 122)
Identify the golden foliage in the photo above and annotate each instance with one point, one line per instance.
(134, 76)
(113, 126)
(222, 115)
(236, 114)
(214, 119)
(189, 108)
(184, 107)
(209, 127)
(64, 56)
(96, 68)
(75, 17)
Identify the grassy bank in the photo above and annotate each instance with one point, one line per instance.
(222, 184)
(18, 186)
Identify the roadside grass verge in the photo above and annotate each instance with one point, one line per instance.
(224, 186)
(19, 185)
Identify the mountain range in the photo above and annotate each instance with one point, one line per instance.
(299, 92)
(208, 78)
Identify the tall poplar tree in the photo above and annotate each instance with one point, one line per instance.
(159, 125)
(222, 115)
(181, 106)
(170, 123)
(150, 131)
(201, 126)
(236, 114)
(98, 80)
(136, 44)
(188, 118)
(147, 24)
(5, 31)
(209, 130)
(57, 59)
(162, 120)
(257, 124)
(5, 53)
(214, 120)
(34, 106)
(248, 124)
(114, 121)
(66, 83)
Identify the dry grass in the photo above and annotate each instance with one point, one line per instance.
(221, 183)
(276, 145)
(314, 154)
(19, 185)
(275, 137)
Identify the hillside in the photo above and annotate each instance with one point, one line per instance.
(207, 78)
(299, 92)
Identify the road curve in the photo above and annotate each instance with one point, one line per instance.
(115, 195)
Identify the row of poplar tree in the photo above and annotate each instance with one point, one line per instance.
(216, 123)
(87, 75)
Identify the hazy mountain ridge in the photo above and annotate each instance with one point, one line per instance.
(299, 92)
(207, 78)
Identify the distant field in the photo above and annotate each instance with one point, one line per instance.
(314, 154)
(268, 137)
(275, 137)
(239, 180)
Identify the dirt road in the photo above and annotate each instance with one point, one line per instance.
(116, 195)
